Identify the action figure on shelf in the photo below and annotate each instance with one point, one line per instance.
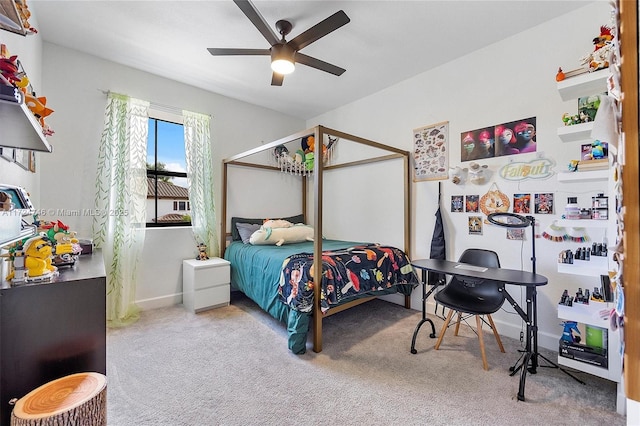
(603, 47)
(31, 261)
(202, 252)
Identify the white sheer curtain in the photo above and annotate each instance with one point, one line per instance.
(121, 192)
(197, 140)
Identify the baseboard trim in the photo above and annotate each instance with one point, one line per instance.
(159, 302)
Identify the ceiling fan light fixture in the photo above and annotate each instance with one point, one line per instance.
(282, 66)
(282, 59)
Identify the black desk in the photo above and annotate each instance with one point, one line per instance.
(508, 276)
(49, 330)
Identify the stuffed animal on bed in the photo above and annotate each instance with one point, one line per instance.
(277, 223)
(283, 235)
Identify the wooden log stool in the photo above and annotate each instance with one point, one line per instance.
(74, 400)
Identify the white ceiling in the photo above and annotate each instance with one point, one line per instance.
(385, 42)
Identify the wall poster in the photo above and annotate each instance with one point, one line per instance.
(514, 137)
(431, 152)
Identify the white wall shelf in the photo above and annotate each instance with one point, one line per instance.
(585, 84)
(598, 265)
(12, 21)
(583, 223)
(575, 132)
(20, 129)
(592, 175)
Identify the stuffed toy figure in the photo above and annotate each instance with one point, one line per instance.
(284, 235)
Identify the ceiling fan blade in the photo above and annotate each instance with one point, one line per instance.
(218, 52)
(319, 30)
(318, 64)
(276, 79)
(258, 21)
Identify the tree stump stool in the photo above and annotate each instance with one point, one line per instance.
(74, 400)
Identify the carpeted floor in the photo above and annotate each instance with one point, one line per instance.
(231, 366)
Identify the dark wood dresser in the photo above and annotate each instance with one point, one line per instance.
(50, 330)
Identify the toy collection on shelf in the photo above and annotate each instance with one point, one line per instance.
(598, 59)
(37, 258)
(593, 157)
(302, 161)
(14, 17)
(16, 87)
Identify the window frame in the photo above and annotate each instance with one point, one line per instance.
(155, 174)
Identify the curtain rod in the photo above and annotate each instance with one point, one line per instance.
(161, 107)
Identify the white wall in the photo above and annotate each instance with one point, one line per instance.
(74, 83)
(507, 81)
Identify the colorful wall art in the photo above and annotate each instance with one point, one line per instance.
(514, 137)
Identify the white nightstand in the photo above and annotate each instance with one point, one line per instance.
(205, 283)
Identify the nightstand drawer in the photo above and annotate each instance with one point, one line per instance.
(201, 274)
(212, 297)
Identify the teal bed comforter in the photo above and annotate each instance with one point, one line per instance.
(279, 278)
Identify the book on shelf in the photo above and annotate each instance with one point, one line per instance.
(602, 164)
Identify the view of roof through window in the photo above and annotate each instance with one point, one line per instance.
(167, 194)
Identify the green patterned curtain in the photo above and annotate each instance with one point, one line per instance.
(197, 140)
(121, 193)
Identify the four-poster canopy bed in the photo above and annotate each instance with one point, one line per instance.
(269, 275)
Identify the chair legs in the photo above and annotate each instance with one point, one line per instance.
(495, 333)
(485, 364)
(458, 323)
(444, 329)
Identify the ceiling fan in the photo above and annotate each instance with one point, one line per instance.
(284, 54)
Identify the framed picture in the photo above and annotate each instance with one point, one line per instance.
(8, 154)
(543, 203)
(457, 203)
(471, 203)
(431, 152)
(588, 106)
(475, 225)
(22, 158)
(522, 203)
(32, 161)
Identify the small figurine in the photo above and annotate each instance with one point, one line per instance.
(5, 201)
(32, 261)
(566, 299)
(202, 252)
(603, 47)
(597, 150)
(476, 173)
(596, 295)
(560, 75)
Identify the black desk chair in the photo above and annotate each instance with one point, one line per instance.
(473, 296)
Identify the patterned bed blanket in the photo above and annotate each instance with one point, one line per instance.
(349, 273)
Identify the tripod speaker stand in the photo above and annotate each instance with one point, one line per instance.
(529, 358)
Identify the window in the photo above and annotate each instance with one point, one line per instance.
(167, 195)
(181, 206)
